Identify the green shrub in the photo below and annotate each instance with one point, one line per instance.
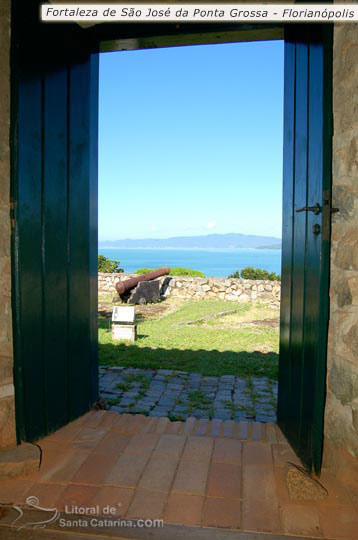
(255, 273)
(144, 271)
(180, 272)
(108, 266)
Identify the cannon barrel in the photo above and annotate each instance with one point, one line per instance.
(124, 286)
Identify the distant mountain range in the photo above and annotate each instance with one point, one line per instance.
(209, 241)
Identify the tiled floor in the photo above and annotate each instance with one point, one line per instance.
(179, 394)
(198, 473)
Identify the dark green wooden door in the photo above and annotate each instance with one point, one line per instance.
(306, 234)
(54, 188)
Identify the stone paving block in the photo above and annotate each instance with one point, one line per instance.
(180, 409)
(130, 394)
(198, 413)
(127, 402)
(166, 402)
(170, 392)
(222, 414)
(118, 409)
(266, 419)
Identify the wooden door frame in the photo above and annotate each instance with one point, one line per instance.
(116, 37)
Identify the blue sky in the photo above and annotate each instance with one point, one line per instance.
(190, 141)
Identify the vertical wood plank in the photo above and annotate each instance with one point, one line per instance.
(285, 381)
(55, 246)
(93, 224)
(294, 401)
(29, 253)
(313, 251)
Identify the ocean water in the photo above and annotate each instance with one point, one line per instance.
(213, 263)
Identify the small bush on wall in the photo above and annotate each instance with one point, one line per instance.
(108, 266)
(255, 273)
(180, 272)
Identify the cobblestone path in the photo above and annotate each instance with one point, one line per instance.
(179, 394)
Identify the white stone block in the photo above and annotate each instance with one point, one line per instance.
(123, 314)
(124, 331)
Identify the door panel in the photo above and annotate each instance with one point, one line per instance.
(305, 249)
(54, 182)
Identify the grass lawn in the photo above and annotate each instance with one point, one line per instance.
(203, 336)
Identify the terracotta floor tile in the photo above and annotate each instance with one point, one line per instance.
(229, 427)
(258, 431)
(271, 433)
(243, 431)
(52, 447)
(127, 470)
(117, 498)
(216, 427)
(47, 494)
(221, 513)
(337, 493)
(281, 487)
(170, 445)
(190, 425)
(147, 504)
(141, 443)
(90, 434)
(300, 519)
(85, 446)
(224, 480)
(174, 427)
(122, 423)
(94, 418)
(339, 522)
(67, 433)
(113, 443)
(13, 491)
(191, 477)
(227, 451)
(256, 453)
(162, 425)
(149, 426)
(260, 500)
(198, 448)
(108, 420)
(75, 495)
(280, 436)
(202, 427)
(61, 467)
(283, 453)
(184, 509)
(130, 423)
(95, 469)
(159, 473)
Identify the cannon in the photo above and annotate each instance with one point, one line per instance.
(137, 290)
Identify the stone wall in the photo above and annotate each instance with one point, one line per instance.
(233, 290)
(7, 410)
(341, 419)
